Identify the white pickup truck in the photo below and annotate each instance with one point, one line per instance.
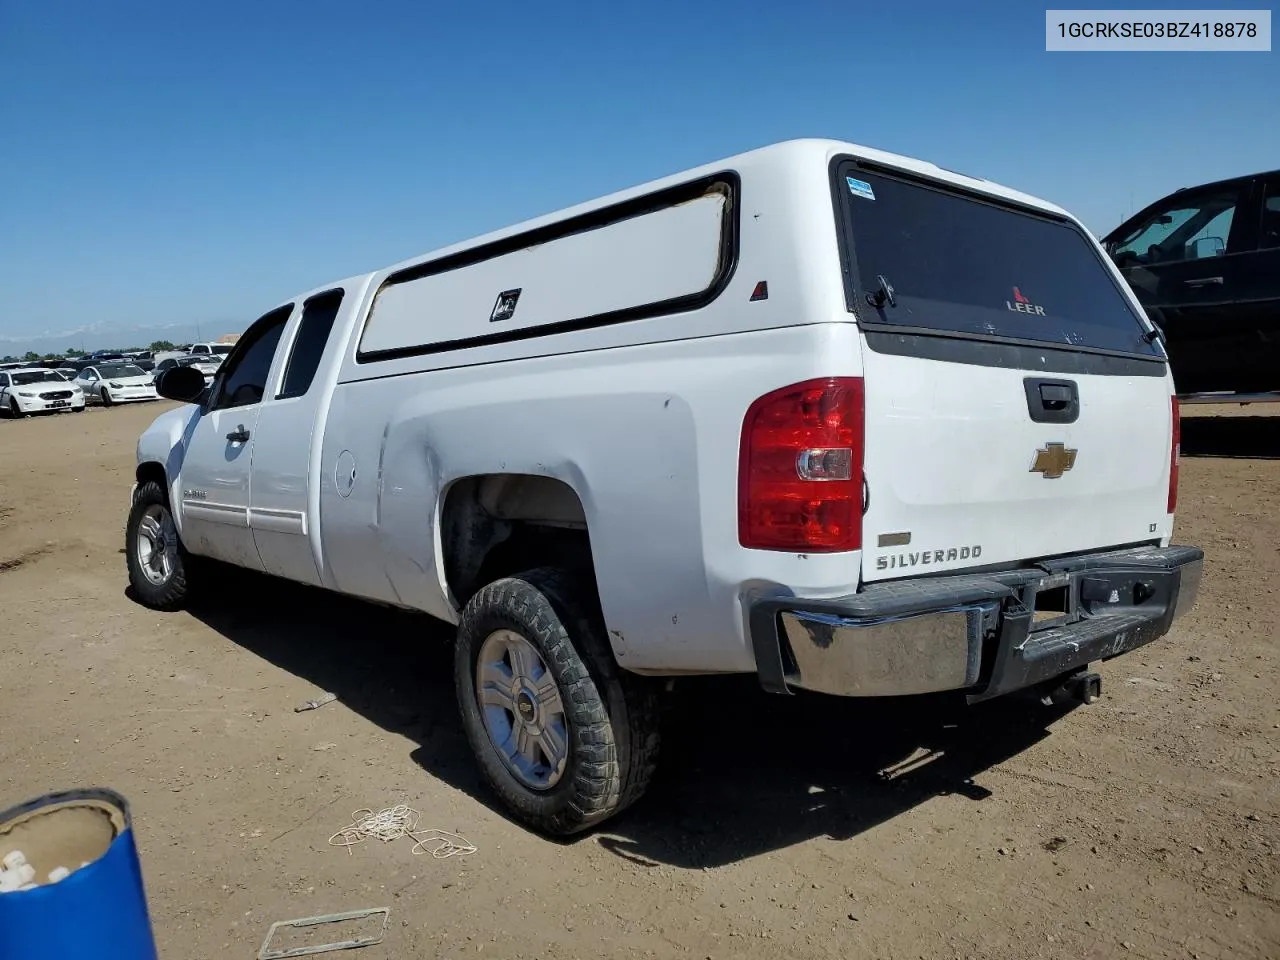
(844, 420)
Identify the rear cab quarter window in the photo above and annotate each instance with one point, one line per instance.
(923, 257)
(318, 315)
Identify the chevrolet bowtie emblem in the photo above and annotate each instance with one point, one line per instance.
(1053, 460)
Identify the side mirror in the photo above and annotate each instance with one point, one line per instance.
(1206, 247)
(184, 384)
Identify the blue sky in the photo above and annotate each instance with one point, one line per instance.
(165, 162)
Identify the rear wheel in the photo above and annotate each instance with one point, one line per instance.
(562, 735)
(157, 562)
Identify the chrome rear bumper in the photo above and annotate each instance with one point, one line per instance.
(984, 633)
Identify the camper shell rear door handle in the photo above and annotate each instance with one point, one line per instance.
(1052, 401)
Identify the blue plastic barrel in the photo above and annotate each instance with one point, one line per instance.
(99, 910)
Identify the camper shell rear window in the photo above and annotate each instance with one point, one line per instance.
(921, 257)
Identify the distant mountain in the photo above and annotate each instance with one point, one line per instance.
(102, 336)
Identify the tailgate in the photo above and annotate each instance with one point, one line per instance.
(960, 475)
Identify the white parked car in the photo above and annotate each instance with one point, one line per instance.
(207, 365)
(218, 350)
(842, 420)
(23, 392)
(116, 382)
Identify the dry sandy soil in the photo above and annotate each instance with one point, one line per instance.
(1146, 825)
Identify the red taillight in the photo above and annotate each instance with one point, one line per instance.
(1175, 454)
(800, 468)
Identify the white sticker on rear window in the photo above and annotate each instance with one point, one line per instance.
(860, 188)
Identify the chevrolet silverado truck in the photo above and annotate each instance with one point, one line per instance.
(843, 420)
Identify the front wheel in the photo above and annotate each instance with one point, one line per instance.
(563, 736)
(157, 562)
(106, 397)
(15, 411)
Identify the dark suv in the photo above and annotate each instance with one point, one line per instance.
(1205, 262)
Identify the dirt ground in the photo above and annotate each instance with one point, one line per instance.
(1146, 825)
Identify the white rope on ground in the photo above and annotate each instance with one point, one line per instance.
(401, 821)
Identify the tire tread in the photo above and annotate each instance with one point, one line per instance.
(172, 595)
(612, 714)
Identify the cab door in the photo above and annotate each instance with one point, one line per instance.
(1259, 305)
(87, 381)
(215, 473)
(286, 443)
(1184, 258)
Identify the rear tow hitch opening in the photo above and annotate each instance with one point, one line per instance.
(1082, 687)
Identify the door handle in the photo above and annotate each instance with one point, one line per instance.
(238, 435)
(1055, 396)
(1204, 282)
(1052, 401)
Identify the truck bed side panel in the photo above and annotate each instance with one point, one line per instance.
(648, 438)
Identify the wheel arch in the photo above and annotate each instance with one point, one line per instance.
(150, 470)
(494, 524)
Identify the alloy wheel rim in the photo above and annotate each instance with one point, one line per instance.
(157, 545)
(522, 710)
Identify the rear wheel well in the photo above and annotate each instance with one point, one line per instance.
(493, 525)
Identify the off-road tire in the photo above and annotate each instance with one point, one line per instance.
(611, 715)
(174, 592)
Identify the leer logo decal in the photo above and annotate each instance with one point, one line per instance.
(504, 308)
(1021, 304)
(1053, 460)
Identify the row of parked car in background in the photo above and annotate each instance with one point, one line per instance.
(105, 378)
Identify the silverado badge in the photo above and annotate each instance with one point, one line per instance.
(1053, 460)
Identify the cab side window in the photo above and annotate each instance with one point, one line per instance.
(1269, 234)
(1190, 226)
(243, 378)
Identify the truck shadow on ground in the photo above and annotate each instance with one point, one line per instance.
(1255, 437)
(742, 772)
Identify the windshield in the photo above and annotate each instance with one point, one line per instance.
(968, 266)
(113, 371)
(34, 376)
